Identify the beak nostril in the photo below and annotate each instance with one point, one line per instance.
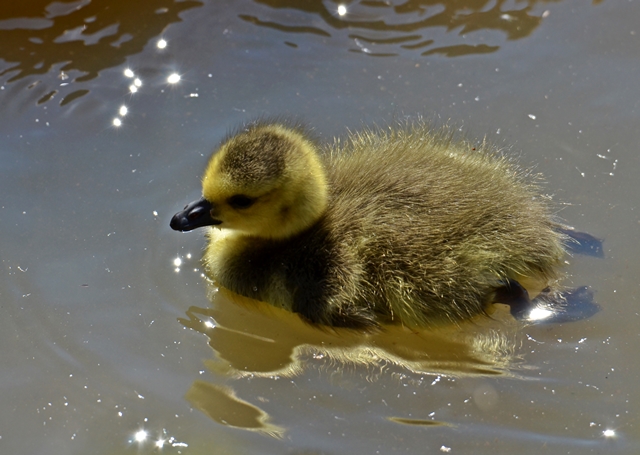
(194, 214)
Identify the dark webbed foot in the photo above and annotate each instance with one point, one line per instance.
(566, 306)
(583, 243)
(517, 297)
(570, 305)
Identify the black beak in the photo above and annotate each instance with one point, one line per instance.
(196, 214)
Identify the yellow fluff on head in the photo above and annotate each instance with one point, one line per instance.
(401, 225)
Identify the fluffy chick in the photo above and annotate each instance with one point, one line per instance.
(403, 225)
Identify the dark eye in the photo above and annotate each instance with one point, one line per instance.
(240, 201)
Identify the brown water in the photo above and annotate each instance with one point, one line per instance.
(103, 335)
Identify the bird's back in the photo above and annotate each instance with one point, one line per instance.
(436, 223)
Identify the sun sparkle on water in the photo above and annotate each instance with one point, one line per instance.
(140, 436)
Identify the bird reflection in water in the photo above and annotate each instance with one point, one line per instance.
(253, 339)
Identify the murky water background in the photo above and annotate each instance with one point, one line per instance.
(110, 345)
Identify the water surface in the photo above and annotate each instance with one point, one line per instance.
(106, 335)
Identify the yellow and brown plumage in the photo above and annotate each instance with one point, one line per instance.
(402, 225)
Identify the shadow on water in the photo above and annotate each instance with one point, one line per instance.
(252, 339)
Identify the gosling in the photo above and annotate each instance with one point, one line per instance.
(402, 225)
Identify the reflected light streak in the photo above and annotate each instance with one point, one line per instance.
(173, 78)
(161, 44)
(160, 443)
(608, 433)
(538, 314)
